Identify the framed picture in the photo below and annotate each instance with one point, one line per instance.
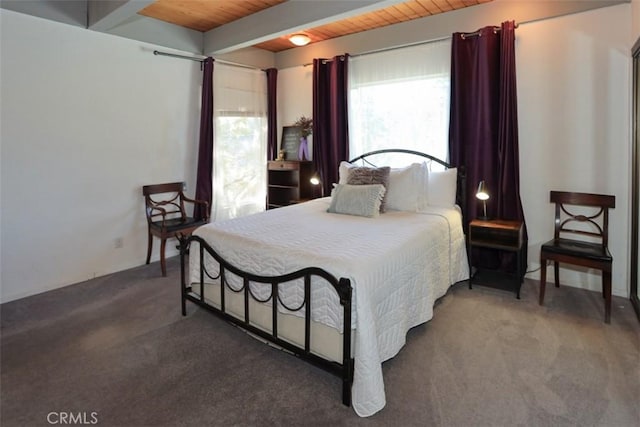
(290, 142)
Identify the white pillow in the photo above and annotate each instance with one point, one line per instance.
(405, 188)
(361, 200)
(343, 172)
(442, 187)
(423, 198)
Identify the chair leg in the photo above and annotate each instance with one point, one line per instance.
(556, 273)
(543, 279)
(149, 247)
(606, 288)
(162, 263)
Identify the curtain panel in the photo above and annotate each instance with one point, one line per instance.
(330, 121)
(483, 131)
(205, 148)
(272, 113)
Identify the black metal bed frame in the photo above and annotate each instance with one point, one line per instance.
(461, 188)
(342, 287)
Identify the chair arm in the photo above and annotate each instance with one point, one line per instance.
(187, 199)
(150, 213)
(199, 202)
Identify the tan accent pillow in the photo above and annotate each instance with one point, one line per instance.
(370, 176)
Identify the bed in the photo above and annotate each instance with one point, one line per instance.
(347, 286)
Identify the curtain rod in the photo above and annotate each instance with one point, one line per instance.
(479, 32)
(201, 60)
(387, 49)
(173, 55)
(235, 64)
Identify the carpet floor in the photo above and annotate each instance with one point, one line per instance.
(115, 351)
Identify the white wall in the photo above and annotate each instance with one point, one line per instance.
(295, 86)
(573, 101)
(87, 119)
(635, 17)
(573, 76)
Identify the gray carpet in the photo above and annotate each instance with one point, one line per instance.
(117, 350)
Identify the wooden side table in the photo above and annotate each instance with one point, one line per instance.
(288, 182)
(502, 235)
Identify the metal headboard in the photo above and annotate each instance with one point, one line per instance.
(461, 196)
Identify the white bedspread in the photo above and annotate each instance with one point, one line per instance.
(399, 264)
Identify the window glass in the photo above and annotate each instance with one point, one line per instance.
(240, 142)
(400, 99)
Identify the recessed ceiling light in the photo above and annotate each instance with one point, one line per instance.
(300, 39)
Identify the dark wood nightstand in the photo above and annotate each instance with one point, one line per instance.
(288, 182)
(501, 235)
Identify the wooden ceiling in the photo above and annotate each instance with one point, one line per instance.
(205, 15)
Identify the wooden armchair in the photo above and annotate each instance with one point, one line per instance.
(591, 251)
(167, 217)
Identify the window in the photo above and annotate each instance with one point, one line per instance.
(240, 147)
(400, 99)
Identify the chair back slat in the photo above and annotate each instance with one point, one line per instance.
(598, 221)
(172, 202)
(583, 199)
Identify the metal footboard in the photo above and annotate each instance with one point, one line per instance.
(342, 287)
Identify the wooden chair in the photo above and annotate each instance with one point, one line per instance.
(167, 217)
(591, 251)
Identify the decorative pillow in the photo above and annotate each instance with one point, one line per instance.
(370, 176)
(442, 187)
(361, 200)
(406, 188)
(423, 198)
(343, 172)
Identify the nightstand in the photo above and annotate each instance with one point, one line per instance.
(499, 235)
(288, 182)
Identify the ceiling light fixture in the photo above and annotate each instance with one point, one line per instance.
(300, 39)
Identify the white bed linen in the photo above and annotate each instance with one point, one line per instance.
(399, 264)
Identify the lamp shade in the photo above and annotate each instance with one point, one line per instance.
(483, 192)
(317, 183)
(300, 39)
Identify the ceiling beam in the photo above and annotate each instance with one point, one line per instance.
(107, 14)
(285, 18)
(72, 12)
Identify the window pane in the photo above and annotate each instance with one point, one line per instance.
(240, 147)
(240, 172)
(400, 99)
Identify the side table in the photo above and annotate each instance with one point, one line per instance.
(502, 235)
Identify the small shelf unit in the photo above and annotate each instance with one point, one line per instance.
(288, 182)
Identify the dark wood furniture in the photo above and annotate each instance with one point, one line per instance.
(502, 235)
(166, 216)
(591, 250)
(288, 182)
(285, 179)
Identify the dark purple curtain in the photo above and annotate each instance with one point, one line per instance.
(272, 113)
(330, 125)
(205, 149)
(483, 127)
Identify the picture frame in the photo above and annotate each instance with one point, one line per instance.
(290, 141)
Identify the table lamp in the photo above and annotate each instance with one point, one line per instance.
(483, 194)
